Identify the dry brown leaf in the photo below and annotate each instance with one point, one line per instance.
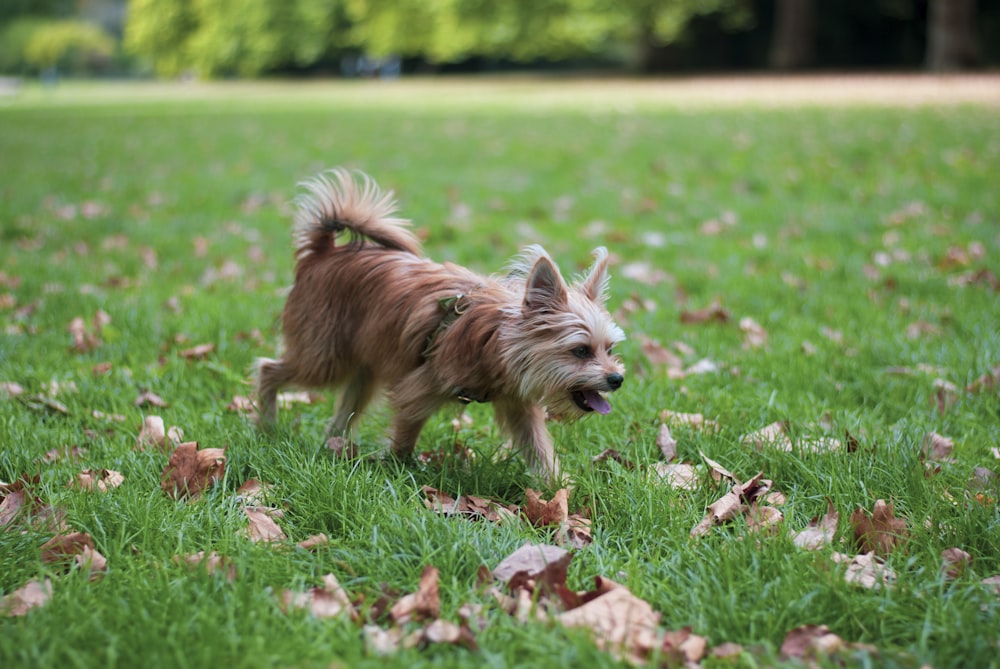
(954, 562)
(987, 382)
(241, 404)
(541, 513)
(315, 541)
(329, 601)
(666, 443)
(622, 624)
(262, 525)
(536, 562)
(880, 533)
(11, 506)
(762, 517)
(810, 641)
(774, 435)
(657, 354)
(945, 396)
(820, 530)
(211, 563)
(866, 570)
(153, 434)
(677, 475)
(754, 335)
(442, 631)
(380, 641)
(29, 596)
(936, 448)
(712, 313)
(721, 510)
(78, 546)
(10, 389)
(424, 604)
(199, 352)
(695, 421)
(147, 398)
(191, 471)
(612, 454)
(575, 532)
(63, 453)
(718, 471)
(102, 479)
(253, 492)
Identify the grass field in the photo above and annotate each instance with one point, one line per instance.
(851, 243)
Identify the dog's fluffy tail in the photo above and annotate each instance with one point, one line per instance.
(338, 200)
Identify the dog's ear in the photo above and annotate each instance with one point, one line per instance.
(545, 287)
(595, 283)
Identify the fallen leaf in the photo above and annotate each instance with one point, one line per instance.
(212, 563)
(774, 436)
(442, 631)
(880, 533)
(666, 443)
(29, 596)
(820, 531)
(954, 562)
(191, 471)
(199, 352)
(541, 513)
(315, 541)
(76, 545)
(657, 354)
(253, 492)
(754, 335)
(342, 448)
(101, 479)
(262, 525)
(761, 517)
(612, 454)
(810, 641)
(534, 561)
(677, 475)
(575, 532)
(945, 396)
(423, 604)
(622, 624)
(695, 421)
(10, 389)
(988, 381)
(380, 641)
(937, 448)
(63, 453)
(147, 398)
(329, 601)
(241, 404)
(712, 313)
(866, 570)
(153, 434)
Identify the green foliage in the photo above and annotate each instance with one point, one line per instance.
(225, 37)
(28, 44)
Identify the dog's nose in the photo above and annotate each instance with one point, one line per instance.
(615, 380)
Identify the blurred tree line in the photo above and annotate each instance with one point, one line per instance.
(216, 38)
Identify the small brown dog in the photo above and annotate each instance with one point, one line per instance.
(373, 314)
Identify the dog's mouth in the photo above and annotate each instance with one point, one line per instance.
(591, 400)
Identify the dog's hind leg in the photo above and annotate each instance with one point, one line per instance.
(413, 402)
(357, 394)
(272, 376)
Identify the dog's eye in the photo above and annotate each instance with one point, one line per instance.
(583, 352)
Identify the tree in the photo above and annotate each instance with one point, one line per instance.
(952, 41)
(221, 37)
(794, 37)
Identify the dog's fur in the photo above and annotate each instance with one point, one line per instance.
(372, 313)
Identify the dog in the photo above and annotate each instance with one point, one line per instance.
(370, 313)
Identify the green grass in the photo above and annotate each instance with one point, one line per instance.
(813, 192)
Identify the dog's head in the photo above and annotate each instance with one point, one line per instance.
(562, 347)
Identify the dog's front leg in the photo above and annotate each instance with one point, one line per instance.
(525, 423)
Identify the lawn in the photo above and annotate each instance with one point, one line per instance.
(830, 265)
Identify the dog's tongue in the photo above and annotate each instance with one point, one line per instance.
(596, 402)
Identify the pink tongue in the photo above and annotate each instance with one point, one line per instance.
(596, 402)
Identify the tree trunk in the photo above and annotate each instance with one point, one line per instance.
(952, 41)
(794, 39)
